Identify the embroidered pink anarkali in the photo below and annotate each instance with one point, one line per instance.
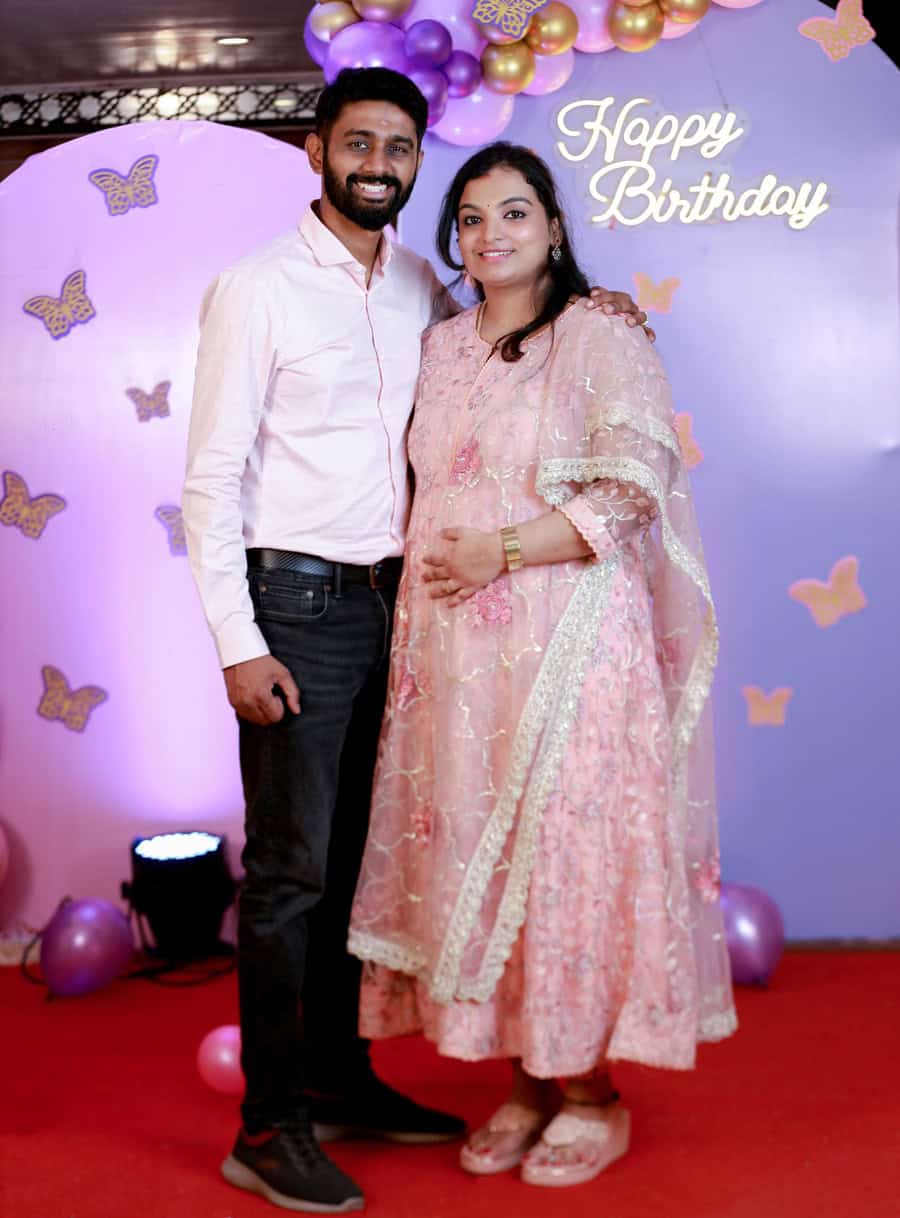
(541, 874)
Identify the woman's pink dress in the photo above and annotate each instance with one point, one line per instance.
(541, 874)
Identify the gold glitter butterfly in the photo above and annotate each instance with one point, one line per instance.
(654, 298)
(59, 702)
(136, 189)
(170, 516)
(829, 602)
(17, 507)
(60, 314)
(767, 710)
(690, 449)
(150, 404)
(512, 16)
(838, 35)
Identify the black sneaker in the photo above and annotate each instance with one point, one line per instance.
(286, 1166)
(372, 1109)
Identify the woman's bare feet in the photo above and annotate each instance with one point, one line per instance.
(514, 1128)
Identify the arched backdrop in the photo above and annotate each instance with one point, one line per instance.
(782, 345)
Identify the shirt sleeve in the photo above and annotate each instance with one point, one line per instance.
(235, 364)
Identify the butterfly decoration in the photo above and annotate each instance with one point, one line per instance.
(71, 308)
(839, 596)
(652, 297)
(838, 35)
(150, 404)
(17, 507)
(690, 449)
(512, 16)
(58, 701)
(170, 516)
(767, 710)
(136, 189)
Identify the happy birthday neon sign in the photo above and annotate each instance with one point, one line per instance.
(628, 186)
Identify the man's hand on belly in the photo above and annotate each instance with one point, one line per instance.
(252, 693)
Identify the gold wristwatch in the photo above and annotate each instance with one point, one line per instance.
(512, 547)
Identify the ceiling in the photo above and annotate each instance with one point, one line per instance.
(69, 42)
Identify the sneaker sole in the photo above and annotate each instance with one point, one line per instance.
(241, 1176)
(343, 1133)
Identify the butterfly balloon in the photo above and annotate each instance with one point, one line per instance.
(71, 308)
(838, 35)
(29, 515)
(150, 404)
(767, 710)
(510, 16)
(652, 297)
(136, 189)
(58, 701)
(170, 517)
(830, 601)
(690, 449)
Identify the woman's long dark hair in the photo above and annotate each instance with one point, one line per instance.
(565, 275)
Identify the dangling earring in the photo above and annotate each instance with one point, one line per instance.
(556, 253)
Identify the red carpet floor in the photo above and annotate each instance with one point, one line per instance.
(104, 1116)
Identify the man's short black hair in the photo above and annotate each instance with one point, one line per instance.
(370, 84)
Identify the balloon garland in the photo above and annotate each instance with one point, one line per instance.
(471, 58)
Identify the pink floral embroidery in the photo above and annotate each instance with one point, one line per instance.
(668, 652)
(492, 606)
(421, 824)
(708, 880)
(466, 463)
(408, 690)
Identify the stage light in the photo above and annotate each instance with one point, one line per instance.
(181, 884)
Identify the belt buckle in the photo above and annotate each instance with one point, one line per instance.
(375, 571)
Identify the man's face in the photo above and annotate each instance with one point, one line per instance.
(369, 163)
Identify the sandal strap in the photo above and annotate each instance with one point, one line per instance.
(567, 1128)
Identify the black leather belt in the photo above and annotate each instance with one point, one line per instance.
(381, 574)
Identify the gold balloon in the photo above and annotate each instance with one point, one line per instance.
(330, 18)
(553, 29)
(382, 10)
(507, 69)
(635, 29)
(685, 12)
(629, 3)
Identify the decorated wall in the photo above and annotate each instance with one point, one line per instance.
(775, 296)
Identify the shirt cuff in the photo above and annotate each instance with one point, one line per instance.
(239, 639)
(591, 527)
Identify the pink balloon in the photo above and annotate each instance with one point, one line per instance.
(550, 73)
(455, 15)
(367, 44)
(85, 945)
(219, 1060)
(737, 3)
(593, 36)
(476, 119)
(4, 855)
(678, 29)
(754, 932)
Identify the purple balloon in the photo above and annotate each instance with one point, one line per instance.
(433, 85)
(476, 119)
(754, 932)
(366, 44)
(593, 31)
(428, 40)
(550, 73)
(455, 16)
(85, 945)
(315, 46)
(463, 72)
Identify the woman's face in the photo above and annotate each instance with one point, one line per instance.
(504, 234)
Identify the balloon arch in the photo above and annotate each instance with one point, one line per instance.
(471, 57)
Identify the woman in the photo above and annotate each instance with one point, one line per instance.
(541, 874)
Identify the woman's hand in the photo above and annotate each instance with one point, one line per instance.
(621, 303)
(461, 562)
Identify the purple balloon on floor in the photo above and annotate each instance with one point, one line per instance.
(754, 932)
(86, 945)
(219, 1060)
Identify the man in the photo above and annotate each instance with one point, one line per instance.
(295, 507)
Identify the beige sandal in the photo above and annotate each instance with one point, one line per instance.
(574, 1149)
(502, 1142)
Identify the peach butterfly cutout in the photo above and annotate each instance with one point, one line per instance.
(690, 449)
(838, 35)
(655, 297)
(767, 710)
(839, 596)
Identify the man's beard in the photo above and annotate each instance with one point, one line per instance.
(372, 215)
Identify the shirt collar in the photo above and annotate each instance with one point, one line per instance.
(328, 250)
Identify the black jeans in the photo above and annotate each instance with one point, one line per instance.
(307, 785)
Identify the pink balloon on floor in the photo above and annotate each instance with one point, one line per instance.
(219, 1060)
(476, 119)
(754, 932)
(593, 35)
(86, 945)
(550, 73)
